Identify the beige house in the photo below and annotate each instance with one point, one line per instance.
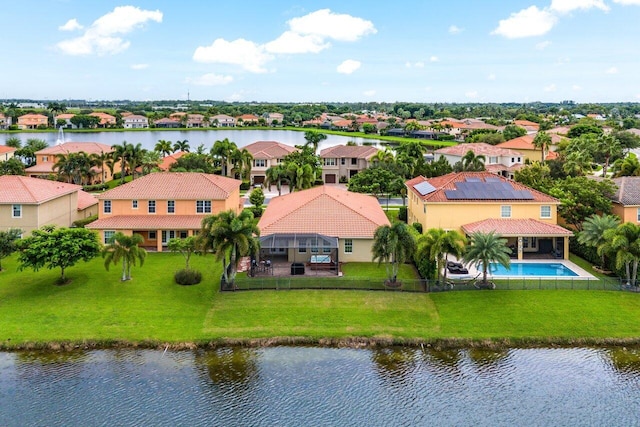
(135, 121)
(106, 120)
(341, 162)
(32, 121)
(222, 121)
(524, 145)
(482, 201)
(30, 203)
(165, 205)
(66, 119)
(5, 121)
(626, 200)
(6, 153)
(324, 222)
(266, 154)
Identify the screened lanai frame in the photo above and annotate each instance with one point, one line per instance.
(275, 246)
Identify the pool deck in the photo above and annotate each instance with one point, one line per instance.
(582, 274)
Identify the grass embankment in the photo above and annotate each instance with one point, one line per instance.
(96, 309)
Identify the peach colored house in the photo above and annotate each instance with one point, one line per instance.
(626, 200)
(66, 117)
(30, 203)
(170, 159)
(322, 221)
(32, 121)
(524, 145)
(498, 160)
(266, 154)
(6, 152)
(45, 159)
(482, 201)
(106, 120)
(341, 162)
(165, 205)
(247, 120)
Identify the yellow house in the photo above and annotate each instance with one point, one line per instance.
(524, 145)
(6, 152)
(626, 200)
(29, 203)
(165, 205)
(481, 201)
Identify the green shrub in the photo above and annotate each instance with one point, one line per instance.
(417, 226)
(82, 222)
(402, 213)
(245, 185)
(97, 187)
(187, 277)
(318, 182)
(257, 211)
(343, 179)
(117, 175)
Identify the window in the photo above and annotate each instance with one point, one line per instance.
(638, 215)
(134, 204)
(348, 246)
(505, 211)
(330, 162)
(151, 204)
(314, 249)
(326, 250)
(203, 206)
(106, 207)
(184, 234)
(519, 160)
(108, 234)
(343, 161)
(16, 211)
(171, 206)
(260, 163)
(45, 158)
(545, 211)
(302, 246)
(493, 160)
(354, 161)
(153, 235)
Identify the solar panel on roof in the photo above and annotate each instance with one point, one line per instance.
(424, 188)
(492, 179)
(472, 179)
(491, 190)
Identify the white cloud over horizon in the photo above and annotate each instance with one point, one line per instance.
(454, 29)
(526, 23)
(71, 25)
(348, 66)
(567, 6)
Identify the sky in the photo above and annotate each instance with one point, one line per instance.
(322, 51)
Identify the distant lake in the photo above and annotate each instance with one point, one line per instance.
(149, 138)
(295, 386)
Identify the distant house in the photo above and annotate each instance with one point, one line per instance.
(247, 120)
(32, 121)
(341, 162)
(106, 120)
(626, 200)
(324, 220)
(6, 152)
(501, 161)
(166, 122)
(135, 121)
(524, 145)
(274, 118)
(30, 203)
(167, 161)
(222, 121)
(266, 154)
(5, 121)
(165, 205)
(195, 121)
(66, 119)
(531, 127)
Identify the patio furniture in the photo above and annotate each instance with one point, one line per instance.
(297, 268)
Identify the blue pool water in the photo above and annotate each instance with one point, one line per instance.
(526, 269)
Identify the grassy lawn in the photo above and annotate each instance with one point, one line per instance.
(97, 307)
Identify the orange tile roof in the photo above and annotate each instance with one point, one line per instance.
(104, 117)
(148, 222)
(478, 148)
(77, 147)
(447, 182)
(6, 149)
(269, 149)
(42, 167)
(167, 161)
(85, 200)
(516, 227)
(32, 119)
(26, 190)
(248, 118)
(526, 123)
(325, 210)
(357, 151)
(65, 116)
(175, 186)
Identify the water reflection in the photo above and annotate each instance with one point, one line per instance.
(225, 367)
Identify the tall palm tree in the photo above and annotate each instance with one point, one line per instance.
(125, 248)
(100, 160)
(134, 157)
(609, 146)
(233, 235)
(593, 231)
(222, 151)
(241, 161)
(578, 163)
(542, 141)
(276, 174)
(472, 163)
(393, 244)
(383, 157)
(629, 166)
(149, 161)
(313, 139)
(164, 147)
(485, 248)
(624, 242)
(300, 177)
(181, 146)
(437, 243)
(121, 153)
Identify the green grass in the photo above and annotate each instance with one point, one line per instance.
(116, 182)
(97, 308)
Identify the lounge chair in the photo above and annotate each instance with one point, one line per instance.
(458, 270)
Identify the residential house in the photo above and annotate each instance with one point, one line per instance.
(135, 121)
(166, 122)
(626, 200)
(32, 121)
(274, 118)
(247, 120)
(170, 159)
(341, 162)
(524, 144)
(30, 203)
(222, 121)
(531, 127)
(322, 221)
(5, 121)
(481, 201)
(47, 158)
(6, 152)
(195, 121)
(501, 161)
(106, 120)
(165, 205)
(64, 120)
(266, 154)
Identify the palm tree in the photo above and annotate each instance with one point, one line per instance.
(181, 146)
(624, 242)
(610, 147)
(630, 166)
(542, 141)
(437, 243)
(125, 248)
(472, 163)
(593, 230)
(164, 147)
(149, 161)
(485, 248)
(222, 151)
(383, 157)
(134, 157)
(578, 163)
(241, 160)
(393, 245)
(276, 174)
(233, 235)
(121, 153)
(300, 177)
(313, 139)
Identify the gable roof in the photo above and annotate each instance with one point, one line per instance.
(357, 151)
(326, 210)
(628, 190)
(175, 186)
(6, 149)
(26, 190)
(508, 227)
(85, 200)
(77, 147)
(478, 148)
(269, 149)
(167, 161)
(440, 189)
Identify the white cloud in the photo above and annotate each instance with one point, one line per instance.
(628, 2)
(471, 94)
(576, 87)
(210, 79)
(327, 24)
(453, 29)
(567, 6)
(526, 23)
(407, 64)
(71, 25)
(419, 64)
(290, 42)
(348, 66)
(139, 66)
(543, 45)
(241, 52)
(234, 97)
(550, 88)
(101, 38)
(434, 59)
(612, 70)
(369, 93)
(491, 76)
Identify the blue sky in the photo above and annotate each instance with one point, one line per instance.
(329, 51)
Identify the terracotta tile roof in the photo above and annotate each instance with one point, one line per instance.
(248, 118)
(26, 190)
(167, 161)
(269, 149)
(42, 167)
(478, 148)
(104, 117)
(526, 123)
(85, 200)
(342, 123)
(495, 168)
(516, 227)
(166, 120)
(175, 186)
(357, 151)
(526, 142)
(628, 191)
(448, 182)
(6, 149)
(32, 119)
(148, 222)
(325, 210)
(65, 116)
(77, 147)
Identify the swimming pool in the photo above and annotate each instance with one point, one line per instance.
(547, 269)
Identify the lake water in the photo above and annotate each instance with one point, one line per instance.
(148, 139)
(294, 386)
